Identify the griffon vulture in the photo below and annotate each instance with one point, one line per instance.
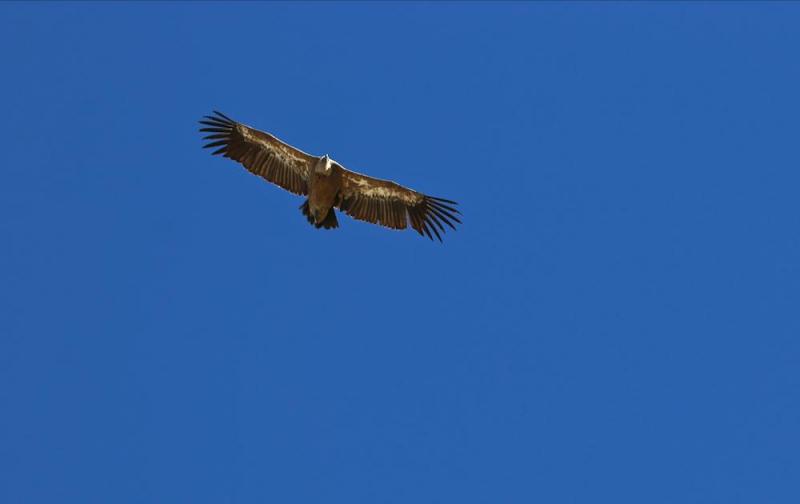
(327, 183)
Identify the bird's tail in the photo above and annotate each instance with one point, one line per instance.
(330, 221)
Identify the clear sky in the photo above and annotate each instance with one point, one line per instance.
(616, 321)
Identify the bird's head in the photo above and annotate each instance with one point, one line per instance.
(323, 165)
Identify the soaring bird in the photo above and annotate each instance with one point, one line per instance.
(326, 183)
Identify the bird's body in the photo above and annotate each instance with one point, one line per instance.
(327, 183)
(324, 185)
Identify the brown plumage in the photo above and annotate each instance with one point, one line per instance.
(327, 183)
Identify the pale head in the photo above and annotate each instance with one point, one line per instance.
(323, 165)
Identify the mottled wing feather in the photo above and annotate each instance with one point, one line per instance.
(389, 204)
(259, 152)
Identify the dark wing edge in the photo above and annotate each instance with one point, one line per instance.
(261, 153)
(393, 206)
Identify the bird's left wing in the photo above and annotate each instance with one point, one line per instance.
(259, 152)
(389, 204)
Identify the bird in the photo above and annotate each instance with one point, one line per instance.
(327, 184)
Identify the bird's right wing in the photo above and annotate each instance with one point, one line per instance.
(389, 204)
(259, 152)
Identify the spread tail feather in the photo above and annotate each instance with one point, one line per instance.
(329, 222)
(307, 212)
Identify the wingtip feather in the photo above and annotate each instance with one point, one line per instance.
(223, 116)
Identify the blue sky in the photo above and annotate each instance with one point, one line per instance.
(616, 320)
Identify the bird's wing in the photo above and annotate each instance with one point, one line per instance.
(389, 204)
(259, 152)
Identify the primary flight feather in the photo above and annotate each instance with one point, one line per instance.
(326, 183)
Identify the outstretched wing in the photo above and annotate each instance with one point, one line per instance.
(389, 204)
(259, 152)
